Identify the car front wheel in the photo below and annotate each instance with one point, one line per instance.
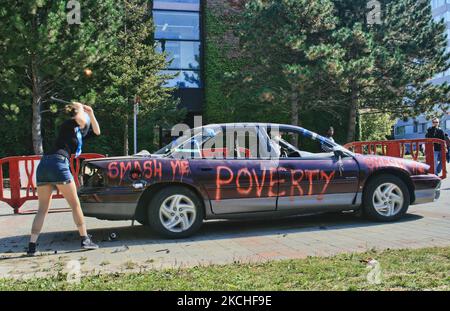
(386, 198)
(175, 212)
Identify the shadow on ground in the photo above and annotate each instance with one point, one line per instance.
(66, 242)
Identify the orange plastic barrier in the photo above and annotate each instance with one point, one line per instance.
(17, 199)
(223, 152)
(399, 148)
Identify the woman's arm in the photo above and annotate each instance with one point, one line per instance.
(94, 123)
(79, 116)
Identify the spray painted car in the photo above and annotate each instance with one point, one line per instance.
(242, 170)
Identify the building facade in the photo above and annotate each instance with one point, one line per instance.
(441, 10)
(417, 127)
(179, 32)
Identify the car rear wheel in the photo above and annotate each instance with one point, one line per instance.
(386, 198)
(175, 212)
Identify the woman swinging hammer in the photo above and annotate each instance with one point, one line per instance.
(53, 170)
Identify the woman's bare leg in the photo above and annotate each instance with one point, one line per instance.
(45, 198)
(69, 191)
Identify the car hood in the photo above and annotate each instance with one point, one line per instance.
(375, 162)
(125, 158)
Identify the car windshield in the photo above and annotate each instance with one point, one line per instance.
(189, 142)
(284, 142)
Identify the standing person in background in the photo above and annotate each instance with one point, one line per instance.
(447, 140)
(329, 136)
(436, 132)
(330, 133)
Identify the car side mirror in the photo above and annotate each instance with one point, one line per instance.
(338, 153)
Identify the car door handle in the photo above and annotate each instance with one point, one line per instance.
(206, 169)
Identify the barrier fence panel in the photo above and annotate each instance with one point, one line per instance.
(402, 147)
(22, 177)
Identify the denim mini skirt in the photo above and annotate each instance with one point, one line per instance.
(53, 169)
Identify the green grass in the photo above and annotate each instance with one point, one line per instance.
(422, 269)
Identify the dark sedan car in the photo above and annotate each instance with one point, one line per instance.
(238, 170)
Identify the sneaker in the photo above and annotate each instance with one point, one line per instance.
(31, 251)
(87, 243)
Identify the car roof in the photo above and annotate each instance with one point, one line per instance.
(262, 124)
(305, 132)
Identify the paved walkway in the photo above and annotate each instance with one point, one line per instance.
(219, 242)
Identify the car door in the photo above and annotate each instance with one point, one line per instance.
(234, 178)
(317, 181)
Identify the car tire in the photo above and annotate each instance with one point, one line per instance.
(386, 198)
(175, 212)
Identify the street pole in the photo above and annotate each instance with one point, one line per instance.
(134, 129)
(136, 111)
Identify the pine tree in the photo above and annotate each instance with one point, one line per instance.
(358, 59)
(320, 55)
(292, 59)
(387, 66)
(133, 71)
(42, 54)
(417, 45)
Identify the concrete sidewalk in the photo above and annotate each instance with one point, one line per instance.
(219, 242)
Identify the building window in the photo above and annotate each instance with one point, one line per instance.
(181, 54)
(184, 5)
(183, 79)
(177, 32)
(409, 129)
(176, 25)
(437, 3)
(400, 131)
(423, 127)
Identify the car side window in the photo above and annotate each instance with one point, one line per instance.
(247, 143)
(232, 143)
(215, 148)
(189, 149)
(293, 144)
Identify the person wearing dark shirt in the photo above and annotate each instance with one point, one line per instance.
(447, 140)
(54, 171)
(329, 136)
(436, 132)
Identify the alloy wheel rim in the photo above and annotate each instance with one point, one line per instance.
(388, 199)
(177, 213)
